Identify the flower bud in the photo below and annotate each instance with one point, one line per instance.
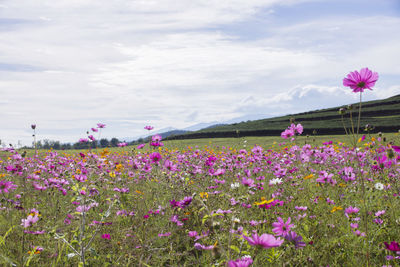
(342, 111)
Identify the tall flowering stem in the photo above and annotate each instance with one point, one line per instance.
(358, 82)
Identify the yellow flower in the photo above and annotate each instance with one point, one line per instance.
(112, 174)
(309, 176)
(204, 195)
(119, 167)
(263, 201)
(336, 208)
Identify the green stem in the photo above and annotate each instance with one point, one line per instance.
(359, 116)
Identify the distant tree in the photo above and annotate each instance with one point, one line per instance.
(104, 142)
(56, 145)
(114, 142)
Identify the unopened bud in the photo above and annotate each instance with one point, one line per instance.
(342, 111)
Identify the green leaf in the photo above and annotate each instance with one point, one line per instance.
(205, 217)
(235, 248)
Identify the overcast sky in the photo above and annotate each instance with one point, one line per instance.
(69, 64)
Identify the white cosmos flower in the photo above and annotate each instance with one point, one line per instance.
(275, 181)
(379, 186)
(235, 185)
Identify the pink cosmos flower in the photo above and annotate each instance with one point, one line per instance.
(148, 127)
(101, 125)
(245, 261)
(6, 187)
(281, 227)
(351, 210)
(155, 157)
(91, 137)
(94, 130)
(30, 220)
(123, 144)
(264, 240)
(287, 133)
(83, 140)
(140, 146)
(202, 247)
(358, 81)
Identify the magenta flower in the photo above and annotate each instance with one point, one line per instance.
(396, 148)
(393, 246)
(101, 125)
(106, 236)
(91, 137)
(148, 127)
(264, 240)
(155, 157)
(281, 227)
(123, 144)
(94, 130)
(358, 81)
(245, 261)
(83, 140)
(6, 187)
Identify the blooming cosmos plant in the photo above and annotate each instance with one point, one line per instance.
(264, 240)
(358, 81)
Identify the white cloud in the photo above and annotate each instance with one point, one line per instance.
(171, 63)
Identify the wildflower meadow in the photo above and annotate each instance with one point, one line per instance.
(296, 204)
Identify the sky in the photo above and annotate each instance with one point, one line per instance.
(67, 65)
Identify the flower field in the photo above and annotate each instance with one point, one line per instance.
(291, 205)
(332, 204)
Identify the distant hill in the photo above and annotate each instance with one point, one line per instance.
(384, 115)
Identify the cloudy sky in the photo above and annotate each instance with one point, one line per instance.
(69, 64)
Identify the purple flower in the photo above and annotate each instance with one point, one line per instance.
(148, 127)
(123, 144)
(295, 239)
(358, 81)
(281, 227)
(202, 247)
(265, 240)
